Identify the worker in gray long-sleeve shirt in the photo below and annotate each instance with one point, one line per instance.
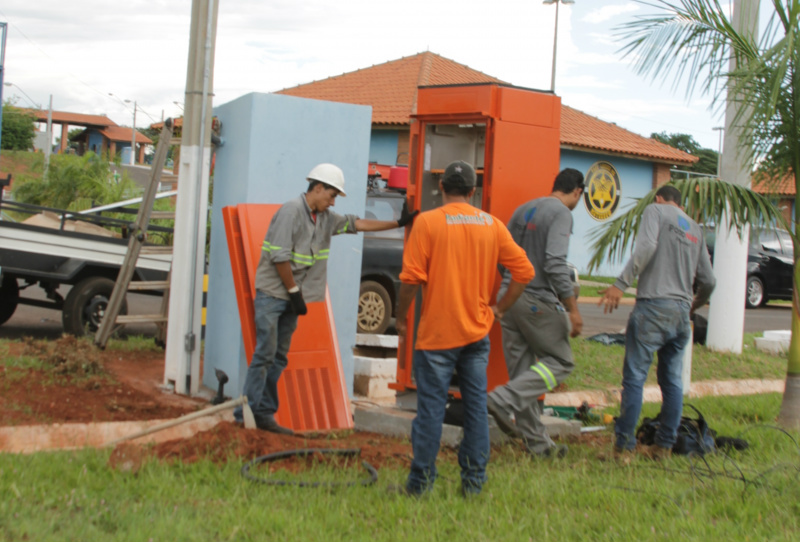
(537, 328)
(670, 254)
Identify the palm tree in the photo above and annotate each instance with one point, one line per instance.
(694, 41)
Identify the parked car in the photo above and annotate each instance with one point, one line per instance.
(770, 264)
(382, 261)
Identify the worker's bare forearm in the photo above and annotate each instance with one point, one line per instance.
(570, 303)
(366, 224)
(405, 296)
(285, 273)
(513, 292)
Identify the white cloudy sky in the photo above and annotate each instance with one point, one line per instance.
(80, 51)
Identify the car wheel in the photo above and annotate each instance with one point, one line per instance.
(86, 304)
(374, 308)
(9, 295)
(754, 296)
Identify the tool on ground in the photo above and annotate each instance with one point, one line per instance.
(136, 246)
(222, 378)
(249, 419)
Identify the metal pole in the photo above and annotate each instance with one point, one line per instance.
(719, 152)
(555, 48)
(133, 135)
(3, 27)
(49, 136)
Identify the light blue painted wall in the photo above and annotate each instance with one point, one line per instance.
(271, 143)
(636, 180)
(383, 147)
(96, 139)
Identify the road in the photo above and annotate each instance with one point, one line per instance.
(46, 323)
(755, 320)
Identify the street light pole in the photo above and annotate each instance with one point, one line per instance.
(133, 135)
(719, 129)
(555, 39)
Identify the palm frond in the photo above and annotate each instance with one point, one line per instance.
(706, 201)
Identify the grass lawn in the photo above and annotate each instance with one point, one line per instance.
(599, 367)
(753, 495)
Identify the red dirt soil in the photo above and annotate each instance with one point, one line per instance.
(121, 386)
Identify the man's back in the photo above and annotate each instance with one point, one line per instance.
(453, 251)
(542, 228)
(670, 253)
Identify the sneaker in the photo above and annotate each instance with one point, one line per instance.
(501, 418)
(554, 452)
(272, 426)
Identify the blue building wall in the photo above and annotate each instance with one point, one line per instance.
(383, 147)
(95, 142)
(271, 143)
(636, 180)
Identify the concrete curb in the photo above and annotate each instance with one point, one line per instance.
(26, 439)
(596, 300)
(652, 394)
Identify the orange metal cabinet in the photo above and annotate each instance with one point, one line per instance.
(512, 137)
(311, 391)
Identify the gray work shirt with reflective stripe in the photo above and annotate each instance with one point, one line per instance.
(670, 252)
(293, 236)
(542, 228)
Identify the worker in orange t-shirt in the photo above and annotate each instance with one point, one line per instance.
(453, 252)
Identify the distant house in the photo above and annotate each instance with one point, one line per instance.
(784, 191)
(101, 134)
(599, 149)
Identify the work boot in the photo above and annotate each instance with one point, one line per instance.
(623, 456)
(656, 452)
(402, 490)
(272, 426)
(501, 418)
(553, 452)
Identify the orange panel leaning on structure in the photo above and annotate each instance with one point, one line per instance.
(453, 252)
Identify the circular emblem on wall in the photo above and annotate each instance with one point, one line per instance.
(602, 193)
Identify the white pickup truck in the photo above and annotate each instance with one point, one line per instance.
(68, 248)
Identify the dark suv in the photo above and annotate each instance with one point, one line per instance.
(382, 262)
(770, 263)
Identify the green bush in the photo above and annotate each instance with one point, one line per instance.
(18, 130)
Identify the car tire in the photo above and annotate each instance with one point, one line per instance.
(9, 298)
(754, 296)
(85, 306)
(374, 308)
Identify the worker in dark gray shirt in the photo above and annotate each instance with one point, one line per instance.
(669, 257)
(292, 270)
(537, 328)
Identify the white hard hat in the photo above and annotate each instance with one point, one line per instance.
(328, 174)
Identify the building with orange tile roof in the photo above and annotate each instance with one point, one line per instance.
(605, 152)
(101, 135)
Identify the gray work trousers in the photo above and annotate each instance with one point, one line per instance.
(538, 357)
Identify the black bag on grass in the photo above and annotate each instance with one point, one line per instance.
(694, 435)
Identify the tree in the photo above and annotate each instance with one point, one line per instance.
(694, 41)
(18, 129)
(707, 163)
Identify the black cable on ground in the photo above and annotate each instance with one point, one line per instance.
(305, 452)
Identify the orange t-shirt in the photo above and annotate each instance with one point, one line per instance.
(453, 252)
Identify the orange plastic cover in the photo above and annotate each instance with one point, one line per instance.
(311, 391)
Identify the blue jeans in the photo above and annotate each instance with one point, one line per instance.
(433, 371)
(275, 324)
(662, 326)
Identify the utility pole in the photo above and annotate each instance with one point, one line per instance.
(726, 312)
(188, 264)
(133, 136)
(49, 135)
(3, 28)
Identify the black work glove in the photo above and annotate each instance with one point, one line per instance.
(298, 303)
(406, 216)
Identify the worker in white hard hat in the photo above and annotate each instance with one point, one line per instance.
(292, 271)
